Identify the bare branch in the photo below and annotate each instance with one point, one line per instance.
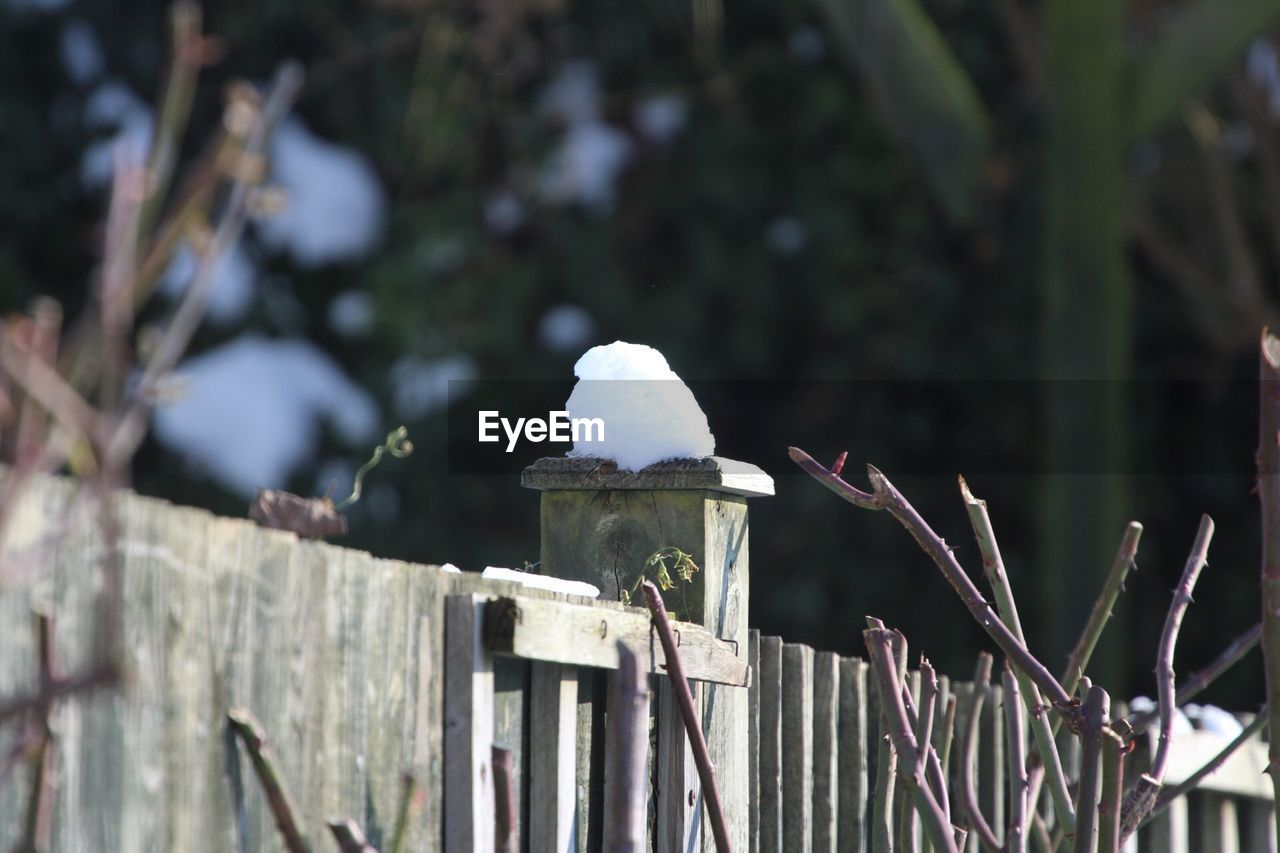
(1097, 708)
(1078, 661)
(1193, 684)
(969, 758)
(879, 647)
(255, 742)
(692, 725)
(1019, 784)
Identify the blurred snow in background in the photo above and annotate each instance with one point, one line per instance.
(249, 411)
(565, 327)
(335, 207)
(421, 386)
(81, 52)
(233, 282)
(592, 153)
(113, 106)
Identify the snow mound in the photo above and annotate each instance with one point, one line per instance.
(649, 414)
(499, 573)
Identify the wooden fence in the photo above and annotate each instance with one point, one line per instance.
(360, 668)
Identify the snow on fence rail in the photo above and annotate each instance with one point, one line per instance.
(360, 668)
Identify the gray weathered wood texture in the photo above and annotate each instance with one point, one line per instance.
(601, 525)
(344, 659)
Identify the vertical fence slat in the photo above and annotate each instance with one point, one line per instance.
(1261, 826)
(1169, 831)
(826, 713)
(589, 826)
(753, 741)
(1219, 825)
(679, 808)
(468, 729)
(854, 738)
(770, 745)
(797, 748)
(553, 744)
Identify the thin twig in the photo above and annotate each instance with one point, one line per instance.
(692, 725)
(1042, 732)
(886, 496)
(1194, 684)
(879, 647)
(173, 342)
(1169, 640)
(255, 742)
(969, 758)
(405, 813)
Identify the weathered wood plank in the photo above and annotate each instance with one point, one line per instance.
(1219, 824)
(592, 697)
(753, 740)
(553, 741)
(797, 748)
(771, 745)
(582, 635)
(679, 795)
(1260, 826)
(853, 747)
(1169, 832)
(826, 716)
(468, 729)
(713, 473)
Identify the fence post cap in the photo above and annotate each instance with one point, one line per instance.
(589, 473)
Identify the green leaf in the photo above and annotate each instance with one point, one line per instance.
(1195, 47)
(923, 91)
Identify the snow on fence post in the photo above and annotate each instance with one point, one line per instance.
(600, 524)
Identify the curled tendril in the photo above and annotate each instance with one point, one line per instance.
(397, 444)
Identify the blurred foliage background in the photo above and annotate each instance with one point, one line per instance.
(1033, 243)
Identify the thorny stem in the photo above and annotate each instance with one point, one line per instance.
(1109, 801)
(969, 757)
(1019, 784)
(1097, 707)
(1169, 640)
(255, 743)
(1193, 684)
(887, 497)
(1078, 661)
(993, 567)
(879, 647)
(1268, 459)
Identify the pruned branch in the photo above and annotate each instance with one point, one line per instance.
(692, 724)
(879, 647)
(886, 496)
(254, 739)
(1078, 661)
(1097, 708)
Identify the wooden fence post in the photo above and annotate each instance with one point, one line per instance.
(601, 525)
